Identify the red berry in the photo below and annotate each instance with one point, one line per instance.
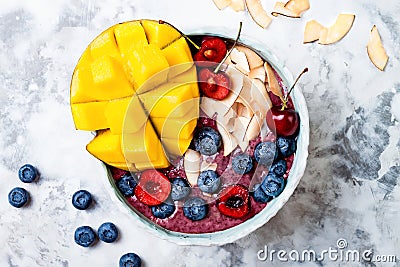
(286, 122)
(117, 173)
(153, 188)
(212, 49)
(233, 201)
(214, 85)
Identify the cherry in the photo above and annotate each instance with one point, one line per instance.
(153, 188)
(233, 201)
(285, 121)
(214, 85)
(212, 49)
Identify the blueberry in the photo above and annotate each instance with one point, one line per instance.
(242, 163)
(195, 209)
(28, 173)
(272, 185)
(107, 232)
(259, 195)
(208, 181)
(279, 167)
(265, 153)
(127, 184)
(18, 197)
(180, 188)
(207, 141)
(286, 146)
(81, 199)
(163, 210)
(130, 260)
(84, 236)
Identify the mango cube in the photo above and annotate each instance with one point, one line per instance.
(129, 35)
(106, 147)
(105, 44)
(178, 56)
(89, 116)
(175, 128)
(176, 147)
(82, 86)
(159, 34)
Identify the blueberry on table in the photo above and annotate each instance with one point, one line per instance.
(28, 173)
(242, 163)
(180, 188)
(279, 167)
(163, 210)
(272, 185)
(81, 199)
(130, 260)
(107, 232)
(207, 141)
(259, 195)
(208, 181)
(84, 236)
(195, 209)
(127, 184)
(265, 153)
(18, 197)
(286, 146)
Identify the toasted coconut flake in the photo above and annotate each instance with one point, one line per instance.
(272, 81)
(241, 125)
(229, 142)
(254, 127)
(253, 58)
(338, 30)
(298, 6)
(211, 106)
(191, 163)
(221, 4)
(376, 51)
(258, 13)
(258, 73)
(237, 5)
(259, 97)
(280, 9)
(205, 166)
(312, 31)
(240, 60)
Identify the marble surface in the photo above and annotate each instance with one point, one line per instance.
(351, 185)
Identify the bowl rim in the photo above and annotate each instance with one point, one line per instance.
(270, 210)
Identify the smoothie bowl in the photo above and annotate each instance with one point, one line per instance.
(201, 140)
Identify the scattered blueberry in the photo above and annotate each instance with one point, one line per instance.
(28, 173)
(195, 209)
(81, 199)
(18, 197)
(84, 236)
(272, 185)
(259, 195)
(286, 146)
(265, 153)
(180, 188)
(130, 260)
(107, 232)
(208, 181)
(242, 163)
(127, 184)
(279, 167)
(207, 141)
(163, 210)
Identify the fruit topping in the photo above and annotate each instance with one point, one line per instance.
(18, 197)
(242, 163)
(153, 188)
(209, 181)
(279, 167)
(127, 184)
(163, 210)
(81, 199)
(195, 209)
(191, 163)
(233, 201)
(285, 122)
(212, 49)
(130, 260)
(259, 195)
(107, 232)
(28, 173)
(272, 185)
(286, 146)
(214, 85)
(84, 236)
(376, 51)
(265, 153)
(180, 188)
(207, 141)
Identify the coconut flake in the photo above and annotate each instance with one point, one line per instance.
(221, 4)
(253, 58)
(191, 163)
(272, 81)
(258, 73)
(239, 59)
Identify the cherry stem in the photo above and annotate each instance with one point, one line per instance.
(230, 50)
(181, 33)
(285, 100)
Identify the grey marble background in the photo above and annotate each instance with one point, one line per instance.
(351, 185)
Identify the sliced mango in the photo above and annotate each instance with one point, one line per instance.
(85, 59)
(89, 116)
(123, 166)
(82, 86)
(162, 162)
(105, 44)
(176, 147)
(159, 34)
(106, 147)
(175, 128)
(129, 35)
(178, 56)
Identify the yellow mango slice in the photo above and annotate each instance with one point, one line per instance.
(123, 166)
(159, 34)
(106, 147)
(89, 116)
(178, 56)
(162, 162)
(129, 35)
(176, 147)
(144, 62)
(109, 80)
(105, 44)
(180, 128)
(125, 115)
(85, 59)
(81, 86)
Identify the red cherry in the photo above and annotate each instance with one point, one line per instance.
(286, 122)
(233, 201)
(153, 188)
(214, 85)
(117, 173)
(212, 49)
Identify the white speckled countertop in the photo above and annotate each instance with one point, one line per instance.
(351, 187)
